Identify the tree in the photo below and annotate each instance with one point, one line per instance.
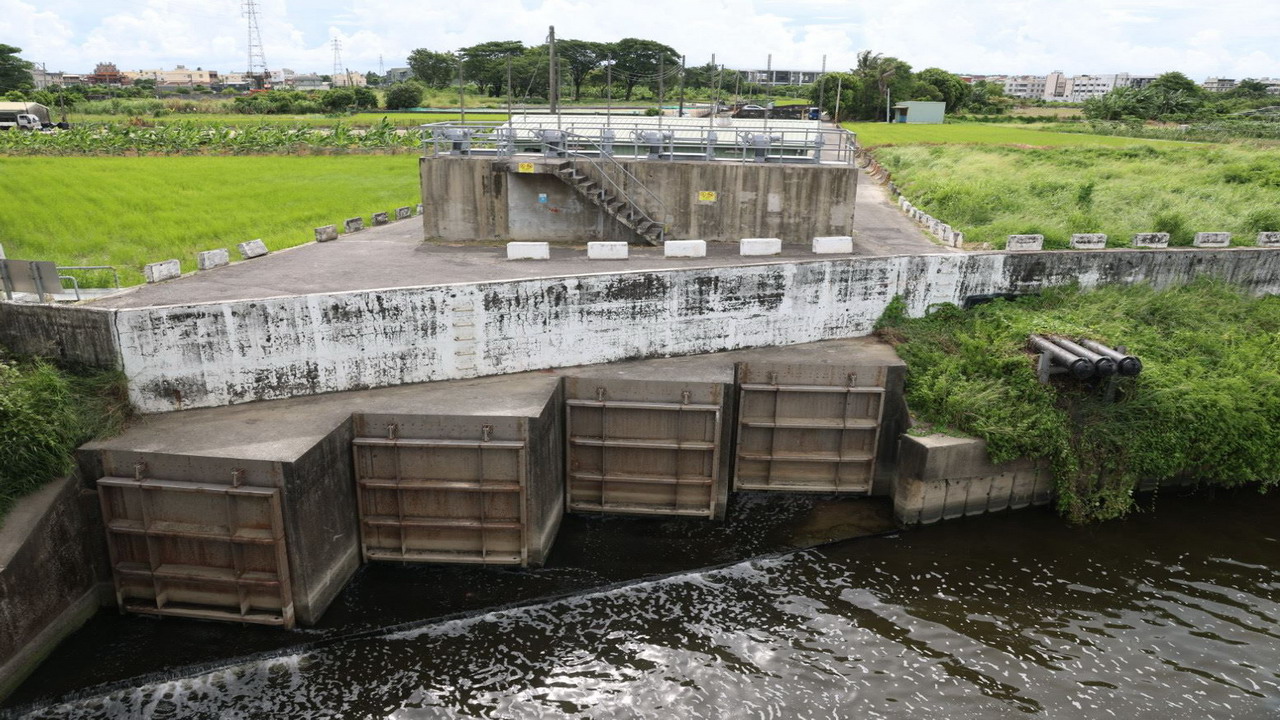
(950, 88)
(338, 99)
(580, 57)
(372, 79)
(1249, 88)
(486, 64)
(1172, 82)
(637, 61)
(15, 73)
(850, 87)
(404, 95)
(365, 98)
(434, 69)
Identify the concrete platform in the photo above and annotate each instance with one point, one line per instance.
(396, 255)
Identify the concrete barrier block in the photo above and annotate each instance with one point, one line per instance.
(1212, 239)
(1151, 240)
(957, 239)
(161, 271)
(760, 246)
(1019, 243)
(607, 251)
(326, 233)
(381, 219)
(1265, 239)
(528, 251)
(2, 252)
(353, 224)
(684, 248)
(252, 249)
(1088, 241)
(419, 208)
(834, 245)
(210, 259)
(404, 213)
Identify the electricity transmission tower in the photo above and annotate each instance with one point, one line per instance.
(337, 59)
(257, 71)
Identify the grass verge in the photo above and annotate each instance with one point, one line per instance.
(129, 211)
(45, 413)
(872, 135)
(1206, 404)
(991, 191)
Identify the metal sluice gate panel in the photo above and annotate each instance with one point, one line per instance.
(197, 550)
(642, 447)
(427, 497)
(808, 428)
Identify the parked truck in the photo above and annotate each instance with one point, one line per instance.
(24, 116)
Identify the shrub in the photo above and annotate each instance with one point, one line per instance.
(404, 95)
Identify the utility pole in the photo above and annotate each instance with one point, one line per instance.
(822, 87)
(888, 103)
(508, 88)
(715, 97)
(682, 59)
(462, 96)
(662, 57)
(836, 119)
(553, 79)
(608, 91)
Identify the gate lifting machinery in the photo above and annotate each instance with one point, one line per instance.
(1082, 360)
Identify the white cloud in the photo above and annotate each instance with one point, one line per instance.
(1231, 37)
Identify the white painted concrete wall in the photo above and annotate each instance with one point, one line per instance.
(224, 353)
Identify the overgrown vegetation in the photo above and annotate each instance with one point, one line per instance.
(992, 191)
(1207, 403)
(129, 211)
(45, 413)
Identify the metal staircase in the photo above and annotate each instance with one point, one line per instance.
(592, 177)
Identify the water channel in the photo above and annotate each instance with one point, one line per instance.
(1169, 614)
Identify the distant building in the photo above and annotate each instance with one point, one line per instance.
(1024, 86)
(919, 112)
(395, 75)
(42, 79)
(1058, 87)
(350, 79)
(282, 77)
(1218, 85)
(309, 81)
(106, 73)
(179, 77)
(781, 77)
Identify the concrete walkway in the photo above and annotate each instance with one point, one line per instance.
(395, 255)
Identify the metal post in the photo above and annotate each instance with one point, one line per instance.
(462, 97)
(553, 88)
(508, 88)
(822, 87)
(888, 105)
(682, 59)
(836, 119)
(608, 93)
(661, 85)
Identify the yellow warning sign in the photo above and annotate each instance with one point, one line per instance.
(524, 167)
(707, 196)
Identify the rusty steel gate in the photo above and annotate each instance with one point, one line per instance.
(644, 447)
(808, 428)
(197, 549)
(442, 489)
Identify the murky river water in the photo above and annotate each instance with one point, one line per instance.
(1167, 615)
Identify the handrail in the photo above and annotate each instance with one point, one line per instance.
(575, 155)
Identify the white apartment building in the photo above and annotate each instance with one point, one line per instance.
(179, 76)
(1024, 86)
(1218, 85)
(1058, 87)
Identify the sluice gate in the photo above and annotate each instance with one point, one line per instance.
(808, 428)
(266, 527)
(191, 547)
(453, 489)
(645, 447)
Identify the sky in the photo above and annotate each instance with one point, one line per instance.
(1227, 38)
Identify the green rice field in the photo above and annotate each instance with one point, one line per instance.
(129, 211)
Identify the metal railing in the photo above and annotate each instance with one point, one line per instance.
(675, 140)
(603, 161)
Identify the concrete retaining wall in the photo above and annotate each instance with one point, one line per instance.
(485, 199)
(944, 478)
(225, 353)
(51, 561)
(77, 334)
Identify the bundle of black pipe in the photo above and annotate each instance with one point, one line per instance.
(1128, 365)
(1103, 366)
(1079, 367)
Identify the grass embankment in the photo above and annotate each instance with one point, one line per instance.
(135, 210)
(872, 135)
(990, 192)
(1207, 402)
(45, 413)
